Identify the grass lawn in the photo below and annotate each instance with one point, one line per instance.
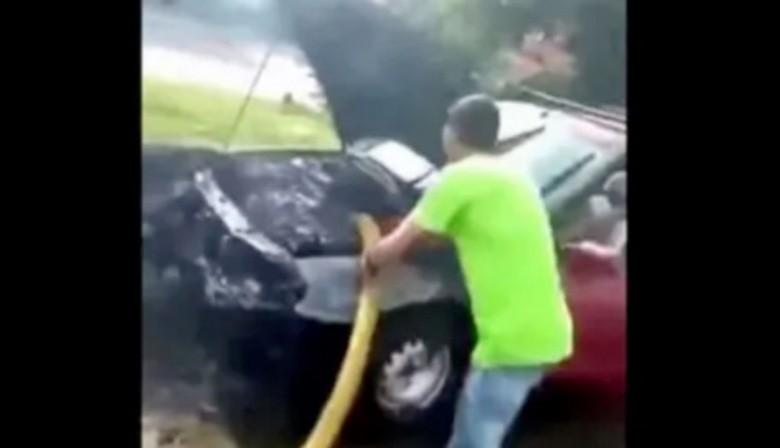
(180, 112)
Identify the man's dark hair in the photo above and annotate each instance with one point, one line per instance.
(475, 119)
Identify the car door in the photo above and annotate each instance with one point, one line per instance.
(593, 270)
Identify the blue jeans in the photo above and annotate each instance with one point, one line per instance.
(489, 402)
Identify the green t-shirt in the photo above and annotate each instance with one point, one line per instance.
(498, 222)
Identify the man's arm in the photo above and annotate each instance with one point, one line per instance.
(433, 216)
(393, 246)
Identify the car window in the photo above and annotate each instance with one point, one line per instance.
(553, 155)
(205, 62)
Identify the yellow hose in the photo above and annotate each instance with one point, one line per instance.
(332, 416)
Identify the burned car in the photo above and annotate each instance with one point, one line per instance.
(251, 259)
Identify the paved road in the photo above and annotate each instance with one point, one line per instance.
(186, 49)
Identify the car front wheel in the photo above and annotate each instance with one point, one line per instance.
(419, 360)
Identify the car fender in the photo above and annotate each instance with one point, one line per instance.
(333, 286)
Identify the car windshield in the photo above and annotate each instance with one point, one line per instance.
(223, 72)
(554, 155)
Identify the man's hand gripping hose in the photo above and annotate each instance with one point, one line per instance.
(336, 409)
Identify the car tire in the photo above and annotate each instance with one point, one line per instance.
(444, 330)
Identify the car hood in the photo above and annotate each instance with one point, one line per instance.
(382, 79)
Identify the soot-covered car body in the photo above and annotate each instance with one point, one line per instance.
(250, 260)
(258, 252)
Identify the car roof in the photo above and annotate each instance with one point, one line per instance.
(518, 118)
(588, 150)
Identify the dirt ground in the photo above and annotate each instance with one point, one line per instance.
(573, 432)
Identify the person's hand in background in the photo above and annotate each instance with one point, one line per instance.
(595, 249)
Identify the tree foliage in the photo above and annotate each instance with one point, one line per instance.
(480, 29)
(600, 47)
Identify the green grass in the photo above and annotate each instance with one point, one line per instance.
(180, 112)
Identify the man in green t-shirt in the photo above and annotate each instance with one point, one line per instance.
(496, 218)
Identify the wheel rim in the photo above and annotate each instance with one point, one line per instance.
(412, 378)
